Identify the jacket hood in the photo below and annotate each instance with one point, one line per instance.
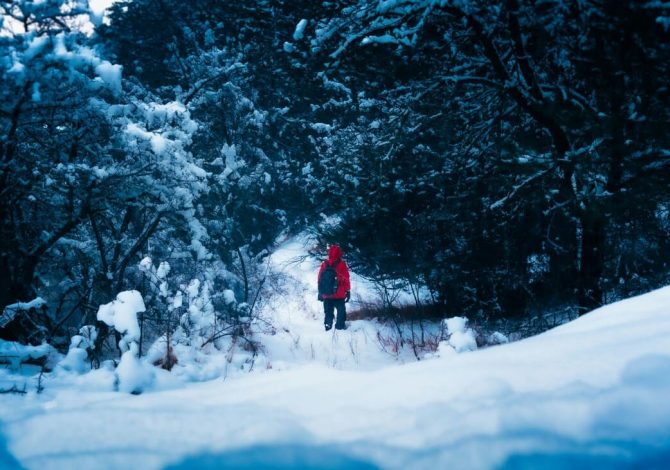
(334, 253)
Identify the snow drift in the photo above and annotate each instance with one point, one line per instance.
(591, 393)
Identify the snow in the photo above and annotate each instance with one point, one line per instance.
(133, 374)
(664, 21)
(35, 47)
(110, 74)
(145, 265)
(384, 39)
(12, 310)
(456, 324)
(229, 152)
(15, 354)
(159, 143)
(17, 68)
(497, 338)
(193, 288)
(163, 270)
(461, 338)
(321, 127)
(229, 296)
(177, 301)
(590, 394)
(288, 47)
(36, 96)
(98, 7)
(122, 315)
(75, 361)
(300, 30)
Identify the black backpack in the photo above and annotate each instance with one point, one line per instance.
(328, 280)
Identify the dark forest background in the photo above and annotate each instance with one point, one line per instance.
(512, 157)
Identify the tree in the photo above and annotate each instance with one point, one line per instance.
(51, 128)
(92, 173)
(532, 117)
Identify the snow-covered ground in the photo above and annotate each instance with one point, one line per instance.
(593, 393)
(299, 336)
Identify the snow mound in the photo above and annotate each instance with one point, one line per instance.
(134, 376)
(461, 338)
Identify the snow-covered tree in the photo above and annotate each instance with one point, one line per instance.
(53, 135)
(543, 121)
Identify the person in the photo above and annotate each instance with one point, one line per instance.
(342, 294)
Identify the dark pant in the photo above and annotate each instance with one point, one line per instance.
(328, 306)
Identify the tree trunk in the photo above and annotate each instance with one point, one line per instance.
(590, 295)
(6, 294)
(16, 282)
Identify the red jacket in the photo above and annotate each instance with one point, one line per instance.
(342, 271)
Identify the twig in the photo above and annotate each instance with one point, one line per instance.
(15, 390)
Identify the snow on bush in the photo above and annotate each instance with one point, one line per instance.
(78, 353)
(12, 310)
(122, 315)
(444, 349)
(202, 346)
(497, 338)
(75, 360)
(461, 338)
(161, 353)
(15, 353)
(132, 376)
(196, 344)
(200, 341)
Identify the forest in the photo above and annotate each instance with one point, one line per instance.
(510, 157)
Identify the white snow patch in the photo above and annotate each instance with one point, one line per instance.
(461, 337)
(134, 376)
(122, 315)
(110, 74)
(299, 32)
(229, 296)
(75, 360)
(163, 270)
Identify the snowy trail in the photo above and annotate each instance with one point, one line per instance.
(590, 393)
(298, 316)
